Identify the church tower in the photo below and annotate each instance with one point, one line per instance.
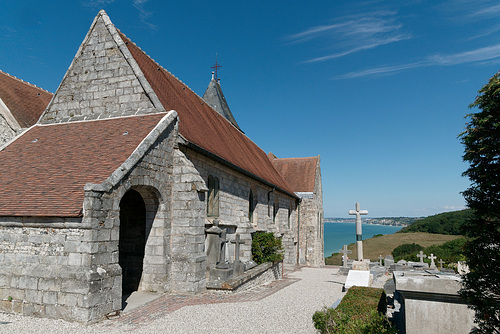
(214, 97)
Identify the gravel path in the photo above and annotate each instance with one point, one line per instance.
(288, 310)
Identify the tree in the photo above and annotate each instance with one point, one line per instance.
(481, 139)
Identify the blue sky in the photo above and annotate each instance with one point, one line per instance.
(379, 89)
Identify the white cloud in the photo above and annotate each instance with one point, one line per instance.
(474, 56)
(144, 14)
(350, 34)
(487, 11)
(97, 3)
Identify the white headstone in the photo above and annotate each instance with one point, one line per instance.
(432, 257)
(422, 256)
(357, 278)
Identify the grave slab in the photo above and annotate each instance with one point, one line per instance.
(357, 278)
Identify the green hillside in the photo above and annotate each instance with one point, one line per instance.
(449, 223)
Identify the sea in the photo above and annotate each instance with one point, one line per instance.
(339, 234)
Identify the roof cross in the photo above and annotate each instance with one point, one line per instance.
(216, 67)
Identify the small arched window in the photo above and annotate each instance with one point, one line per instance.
(213, 197)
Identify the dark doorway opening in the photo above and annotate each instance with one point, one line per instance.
(132, 240)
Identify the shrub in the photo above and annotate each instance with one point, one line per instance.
(450, 251)
(406, 252)
(266, 248)
(360, 311)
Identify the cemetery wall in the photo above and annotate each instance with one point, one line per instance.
(272, 273)
(234, 207)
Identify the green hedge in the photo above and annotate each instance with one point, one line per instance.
(362, 310)
(450, 251)
(266, 248)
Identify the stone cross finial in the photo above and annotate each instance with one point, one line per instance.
(380, 259)
(440, 264)
(237, 242)
(359, 239)
(422, 256)
(222, 259)
(344, 252)
(432, 257)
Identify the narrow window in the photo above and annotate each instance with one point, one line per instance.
(289, 215)
(251, 206)
(275, 212)
(213, 196)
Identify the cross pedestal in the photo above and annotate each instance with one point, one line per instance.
(359, 239)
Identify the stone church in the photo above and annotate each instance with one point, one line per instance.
(124, 177)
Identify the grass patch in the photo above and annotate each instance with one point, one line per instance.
(360, 311)
(384, 245)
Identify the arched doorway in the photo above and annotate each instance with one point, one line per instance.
(132, 240)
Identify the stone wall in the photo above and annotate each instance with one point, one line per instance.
(234, 207)
(311, 225)
(100, 82)
(188, 227)
(6, 132)
(43, 271)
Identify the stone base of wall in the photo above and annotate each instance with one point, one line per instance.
(264, 273)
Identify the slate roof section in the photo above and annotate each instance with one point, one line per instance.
(202, 126)
(25, 101)
(44, 171)
(300, 173)
(215, 98)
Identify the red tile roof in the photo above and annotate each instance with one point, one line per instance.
(25, 101)
(300, 173)
(203, 126)
(44, 171)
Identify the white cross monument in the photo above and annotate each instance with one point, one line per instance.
(359, 238)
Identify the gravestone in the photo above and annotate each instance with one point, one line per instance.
(440, 264)
(357, 278)
(388, 261)
(380, 258)
(222, 264)
(433, 265)
(238, 266)
(212, 244)
(345, 268)
(422, 256)
(359, 238)
(344, 252)
(222, 271)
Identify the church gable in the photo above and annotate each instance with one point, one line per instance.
(102, 81)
